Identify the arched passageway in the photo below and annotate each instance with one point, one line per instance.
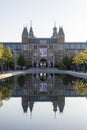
(43, 63)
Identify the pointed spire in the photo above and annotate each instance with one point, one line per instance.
(30, 114)
(55, 106)
(25, 32)
(61, 35)
(61, 32)
(25, 104)
(54, 23)
(55, 35)
(30, 23)
(25, 35)
(55, 114)
(61, 104)
(31, 103)
(31, 34)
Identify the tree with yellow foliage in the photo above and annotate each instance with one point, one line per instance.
(80, 86)
(6, 56)
(80, 59)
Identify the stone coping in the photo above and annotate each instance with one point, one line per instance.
(47, 70)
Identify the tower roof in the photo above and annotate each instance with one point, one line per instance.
(25, 32)
(31, 103)
(55, 32)
(61, 32)
(31, 34)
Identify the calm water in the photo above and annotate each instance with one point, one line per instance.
(43, 102)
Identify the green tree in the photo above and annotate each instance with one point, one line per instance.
(21, 80)
(67, 62)
(21, 60)
(1, 51)
(6, 90)
(7, 57)
(60, 65)
(28, 63)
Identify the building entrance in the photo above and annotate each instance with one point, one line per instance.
(43, 63)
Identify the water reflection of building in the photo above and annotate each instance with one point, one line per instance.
(43, 87)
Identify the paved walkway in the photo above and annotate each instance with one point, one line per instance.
(46, 70)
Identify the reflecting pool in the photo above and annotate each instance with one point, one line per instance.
(43, 102)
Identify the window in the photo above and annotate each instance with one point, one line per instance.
(13, 46)
(18, 46)
(84, 46)
(72, 46)
(78, 46)
(43, 41)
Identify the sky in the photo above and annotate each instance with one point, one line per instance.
(69, 14)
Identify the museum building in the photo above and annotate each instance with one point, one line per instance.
(44, 52)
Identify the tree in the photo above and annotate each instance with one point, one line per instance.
(21, 60)
(21, 80)
(80, 86)
(7, 57)
(80, 59)
(28, 63)
(60, 65)
(1, 51)
(67, 62)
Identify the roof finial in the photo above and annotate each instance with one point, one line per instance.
(54, 23)
(30, 23)
(31, 115)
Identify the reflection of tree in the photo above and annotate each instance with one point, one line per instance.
(6, 89)
(80, 86)
(67, 79)
(1, 97)
(22, 79)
